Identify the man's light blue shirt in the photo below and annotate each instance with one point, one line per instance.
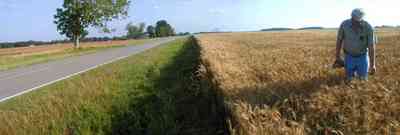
(356, 43)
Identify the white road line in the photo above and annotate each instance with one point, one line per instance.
(71, 75)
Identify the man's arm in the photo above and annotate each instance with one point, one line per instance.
(371, 50)
(338, 48)
(372, 56)
(339, 41)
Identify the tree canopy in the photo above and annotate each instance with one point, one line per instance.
(163, 29)
(151, 31)
(135, 31)
(77, 15)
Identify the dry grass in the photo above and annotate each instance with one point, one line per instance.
(283, 83)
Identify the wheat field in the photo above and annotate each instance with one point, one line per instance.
(282, 83)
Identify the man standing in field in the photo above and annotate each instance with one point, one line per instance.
(356, 37)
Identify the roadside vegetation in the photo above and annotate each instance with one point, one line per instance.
(160, 91)
(282, 83)
(17, 57)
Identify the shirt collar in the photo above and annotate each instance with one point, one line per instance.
(361, 23)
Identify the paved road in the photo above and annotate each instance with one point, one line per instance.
(22, 80)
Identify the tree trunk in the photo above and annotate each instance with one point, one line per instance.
(76, 42)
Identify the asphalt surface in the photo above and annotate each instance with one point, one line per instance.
(19, 81)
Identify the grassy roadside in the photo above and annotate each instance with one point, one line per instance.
(10, 62)
(155, 92)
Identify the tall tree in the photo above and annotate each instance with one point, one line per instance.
(135, 31)
(151, 31)
(75, 16)
(142, 26)
(163, 29)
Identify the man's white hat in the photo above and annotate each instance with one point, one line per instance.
(358, 14)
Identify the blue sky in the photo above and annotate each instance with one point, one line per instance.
(33, 19)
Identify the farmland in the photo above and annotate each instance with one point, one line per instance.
(283, 83)
(250, 83)
(16, 57)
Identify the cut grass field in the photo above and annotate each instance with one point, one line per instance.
(282, 83)
(17, 57)
(155, 92)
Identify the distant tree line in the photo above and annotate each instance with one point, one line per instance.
(183, 33)
(135, 31)
(28, 43)
(39, 43)
(311, 28)
(386, 26)
(277, 29)
(286, 29)
(161, 29)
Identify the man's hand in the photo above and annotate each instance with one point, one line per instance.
(372, 70)
(339, 63)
